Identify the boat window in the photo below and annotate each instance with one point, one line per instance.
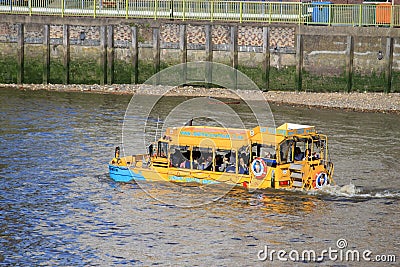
(203, 158)
(318, 148)
(162, 149)
(264, 151)
(244, 158)
(225, 160)
(178, 155)
(301, 148)
(244, 153)
(286, 151)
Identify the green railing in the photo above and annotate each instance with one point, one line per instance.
(236, 11)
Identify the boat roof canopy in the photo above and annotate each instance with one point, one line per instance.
(227, 138)
(207, 136)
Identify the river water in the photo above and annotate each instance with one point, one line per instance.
(58, 207)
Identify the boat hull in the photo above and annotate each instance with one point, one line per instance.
(123, 174)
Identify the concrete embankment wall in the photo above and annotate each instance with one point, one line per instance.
(285, 57)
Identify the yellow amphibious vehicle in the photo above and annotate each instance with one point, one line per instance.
(290, 156)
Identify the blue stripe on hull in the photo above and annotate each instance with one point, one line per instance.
(123, 174)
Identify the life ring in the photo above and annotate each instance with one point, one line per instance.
(321, 179)
(259, 168)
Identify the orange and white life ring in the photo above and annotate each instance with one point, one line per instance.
(259, 168)
(321, 179)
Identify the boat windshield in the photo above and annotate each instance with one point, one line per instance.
(302, 148)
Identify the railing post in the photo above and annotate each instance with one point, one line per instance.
(330, 15)
(62, 8)
(360, 16)
(392, 15)
(127, 9)
(270, 8)
(155, 8)
(212, 11)
(183, 9)
(30, 7)
(241, 11)
(94, 8)
(300, 5)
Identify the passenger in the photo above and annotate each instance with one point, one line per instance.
(298, 155)
(243, 169)
(218, 162)
(224, 165)
(195, 164)
(207, 164)
(231, 169)
(232, 158)
(176, 158)
(307, 154)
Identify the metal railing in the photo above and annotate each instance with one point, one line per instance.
(321, 13)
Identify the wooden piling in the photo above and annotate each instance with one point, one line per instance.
(20, 53)
(389, 64)
(299, 62)
(66, 55)
(234, 54)
(110, 54)
(349, 62)
(103, 55)
(183, 51)
(266, 57)
(135, 56)
(46, 51)
(156, 50)
(209, 53)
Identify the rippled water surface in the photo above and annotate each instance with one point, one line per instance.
(58, 206)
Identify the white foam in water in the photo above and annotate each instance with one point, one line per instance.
(350, 190)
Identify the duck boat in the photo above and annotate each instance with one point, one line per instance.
(289, 156)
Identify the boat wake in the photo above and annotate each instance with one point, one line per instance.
(352, 191)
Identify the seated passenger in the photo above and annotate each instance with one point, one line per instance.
(185, 164)
(307, 154)
(218, 162)
(230, 168)
(298, 155)
(207, 164)
(224, 164)
(243, 169)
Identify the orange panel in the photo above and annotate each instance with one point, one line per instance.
(383, 13)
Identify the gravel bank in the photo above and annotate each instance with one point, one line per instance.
(364, 102)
